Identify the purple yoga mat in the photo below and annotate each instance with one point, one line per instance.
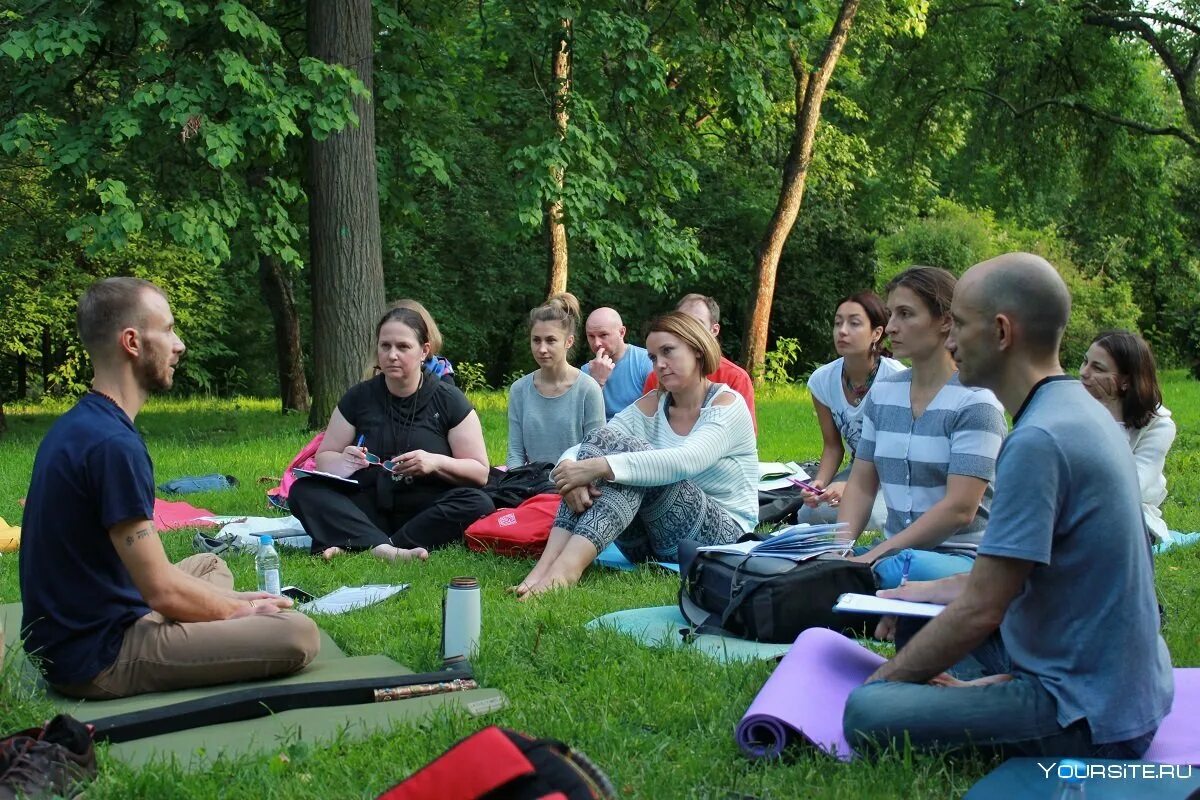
(806, 695)
(1178, 737)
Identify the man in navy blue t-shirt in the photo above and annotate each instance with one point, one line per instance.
(1058, 613)
(105, 613)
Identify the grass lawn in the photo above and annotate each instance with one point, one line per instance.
(659, 721)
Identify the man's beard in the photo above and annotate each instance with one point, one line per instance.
(155, 374)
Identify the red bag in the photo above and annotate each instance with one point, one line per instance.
(499, 764)
(520, 531)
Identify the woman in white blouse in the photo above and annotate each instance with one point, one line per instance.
(680, 463)
(1119, 371)
(838, 389)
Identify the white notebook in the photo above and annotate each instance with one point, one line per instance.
(316, 473)
(870, 604)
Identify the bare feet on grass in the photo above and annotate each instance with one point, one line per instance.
(329, 552)
(392, 553)
(556, 580)
(532, 579)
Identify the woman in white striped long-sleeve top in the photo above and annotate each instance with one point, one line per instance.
(680, 463)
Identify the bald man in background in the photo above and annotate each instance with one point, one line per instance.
(619, 367)
(1052, 639)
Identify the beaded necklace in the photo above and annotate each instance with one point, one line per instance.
(857, 393)
(399, 420)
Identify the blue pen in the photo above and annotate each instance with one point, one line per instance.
(907, 557)
(362, 438)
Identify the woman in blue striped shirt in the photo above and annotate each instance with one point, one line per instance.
(928, 442)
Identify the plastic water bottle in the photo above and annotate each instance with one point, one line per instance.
(267, 564)
(1071, 780)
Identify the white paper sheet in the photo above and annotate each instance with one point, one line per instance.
(349, 598)
(869, 604)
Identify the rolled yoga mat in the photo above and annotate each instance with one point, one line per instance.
(805, 696)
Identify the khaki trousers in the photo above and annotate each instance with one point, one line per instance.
(159, 655)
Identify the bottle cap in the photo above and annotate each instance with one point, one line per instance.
(464, 583)
(265, 539)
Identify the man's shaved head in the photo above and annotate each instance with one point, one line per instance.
(1025, 288)
(603, 318)
(605, 333)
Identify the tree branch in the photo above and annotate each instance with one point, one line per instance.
(1187, 137)
(1165, 19)
(1142, 30)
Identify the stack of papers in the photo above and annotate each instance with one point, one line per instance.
(349, 598)
(774, 475)
(796, 542)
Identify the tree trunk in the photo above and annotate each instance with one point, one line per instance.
(3, 422)
(345, 254)
(810, 91)
(22, 377)
(46, 356)
(556, 232)
(289, 354)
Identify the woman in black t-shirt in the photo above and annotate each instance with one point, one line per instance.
(412, 449)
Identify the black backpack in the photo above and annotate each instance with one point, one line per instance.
(500, 764)
(769, 599)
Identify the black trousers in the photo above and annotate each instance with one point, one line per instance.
(352, 517)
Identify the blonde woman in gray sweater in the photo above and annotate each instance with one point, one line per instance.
(680, 463)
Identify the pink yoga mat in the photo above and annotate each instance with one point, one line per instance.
(806, 695)
(168, 515)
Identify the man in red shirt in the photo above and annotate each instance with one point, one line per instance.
(708, 312)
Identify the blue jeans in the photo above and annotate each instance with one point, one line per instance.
(926, 566)
(1015, 718)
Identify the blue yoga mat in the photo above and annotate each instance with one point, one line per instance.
(665, 626)
(1177, 540)
(613, 558)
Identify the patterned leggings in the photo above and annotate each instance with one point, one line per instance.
(645, 521)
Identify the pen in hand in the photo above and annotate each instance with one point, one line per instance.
(907, 561)
(808, 487)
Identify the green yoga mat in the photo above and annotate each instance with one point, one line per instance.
(202, 746)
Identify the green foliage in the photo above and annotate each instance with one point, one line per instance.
(777, 361)
(470, 376)
(152, 113)
(955, 238)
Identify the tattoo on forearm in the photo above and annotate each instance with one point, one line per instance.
(138, 535)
